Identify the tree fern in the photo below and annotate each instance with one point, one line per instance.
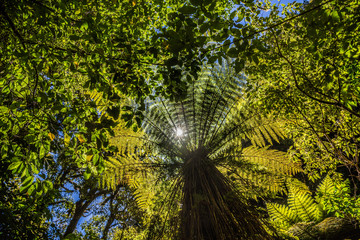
(217, 129)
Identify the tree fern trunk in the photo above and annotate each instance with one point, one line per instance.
(212, 209)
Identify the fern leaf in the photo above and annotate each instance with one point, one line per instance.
(282, 214)
(295, 186)
(326, 187)
(273, 160)
(303, 204)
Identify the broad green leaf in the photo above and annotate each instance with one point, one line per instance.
(196, 2)
(87, 174)
(335, 16)
(67, 139)
(239, 65)
(13, 166)
(42, 152)
(95, 159)
(84, 26)
(3, 109)
(233, 52)
(187, 10)
(26, 188)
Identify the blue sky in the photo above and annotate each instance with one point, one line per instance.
(286, 1)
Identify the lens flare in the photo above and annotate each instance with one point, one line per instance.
(179, 132)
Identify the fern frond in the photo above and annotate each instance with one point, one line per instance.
(263, 181)
(144, 193)
(263, 132)
(265, 168)
(130, 165)
(131, 172)
(296, 186)
(303, 204)
(97, 98)
(282, 214)
(326, 187)
(301, 201)
(273, 160)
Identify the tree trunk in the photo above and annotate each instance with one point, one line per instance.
(80, 208)
(211, 209)
(108, 225)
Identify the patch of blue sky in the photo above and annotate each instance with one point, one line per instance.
(263, 13)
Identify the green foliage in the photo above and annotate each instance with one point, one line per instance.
(309, 76)
(66, 67)
(22, 216)
(202, 137)
(335, 198)
(332, 198)
(57, 59)
(301, 207)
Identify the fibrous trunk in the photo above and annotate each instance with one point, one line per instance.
(211, 209)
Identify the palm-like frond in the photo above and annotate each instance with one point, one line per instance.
(301, 201)
(269, 167)
(301, 206)
(123, 164)
(273, 160)
(282, 215)
(129, 165)
(326, 187)
(304, 206)
(295, 186)
(217, 130)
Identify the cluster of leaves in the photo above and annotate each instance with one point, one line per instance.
(51, 54)
(21, 216)
(336, 198)
(331, 198)
(309, 75)
(64, 64)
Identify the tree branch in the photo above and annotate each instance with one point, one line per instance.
(12, 25)
(272, 26)
(337, 104)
